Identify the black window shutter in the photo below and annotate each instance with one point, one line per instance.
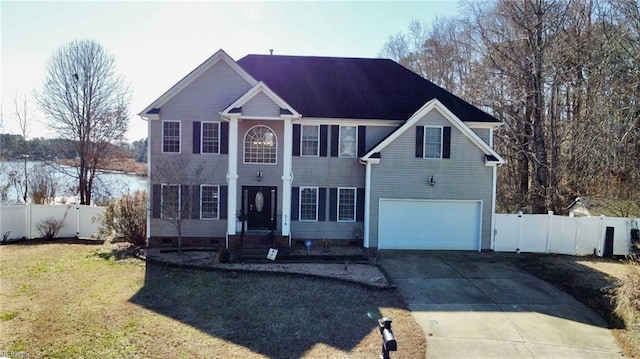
(420, 141)
(295, 203)
(362, 140)
(195, 202)
(335, 139)
(196, 136)
(185, 202)
(333, 204)
(156, 201)
(223, 201)
(224, 137)
(360, 205)
(322, 204)
(446, 142)
(296, 139)
(324, 132)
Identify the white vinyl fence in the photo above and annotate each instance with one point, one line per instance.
(547, 233)
(21, 221)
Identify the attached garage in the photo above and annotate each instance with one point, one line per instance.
(429, 224)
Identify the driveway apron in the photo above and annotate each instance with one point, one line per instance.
(476, 305)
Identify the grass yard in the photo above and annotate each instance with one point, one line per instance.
(60, 300)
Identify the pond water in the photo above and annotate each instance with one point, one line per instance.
(107, 184)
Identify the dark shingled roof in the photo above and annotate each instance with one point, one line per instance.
(335, 87)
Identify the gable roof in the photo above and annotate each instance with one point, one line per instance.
(358, 88)
(492, 158)
(220, 55)
(285, 109)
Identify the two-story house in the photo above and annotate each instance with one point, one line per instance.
(319, 148)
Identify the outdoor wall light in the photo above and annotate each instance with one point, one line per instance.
(259, 176)
(432, 181)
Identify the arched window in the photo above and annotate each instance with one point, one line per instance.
(260, 145)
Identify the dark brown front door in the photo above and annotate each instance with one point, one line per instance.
(259, 205)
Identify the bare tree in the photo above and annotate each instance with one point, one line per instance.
(176, 191)
(87, 102)
(23, 118)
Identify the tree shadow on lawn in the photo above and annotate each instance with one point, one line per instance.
(280, 316)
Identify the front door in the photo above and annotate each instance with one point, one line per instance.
(259, 206)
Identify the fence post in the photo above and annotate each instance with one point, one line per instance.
(28, 215)
(77, 220)
(518, 231)
(549, 231)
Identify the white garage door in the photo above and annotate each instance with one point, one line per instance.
(428, 224)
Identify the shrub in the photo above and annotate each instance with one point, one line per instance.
(49, 227)
(627, 293)
(126, 218)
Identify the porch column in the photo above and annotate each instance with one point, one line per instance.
(232, 176)
(367, 204)
(287, 177)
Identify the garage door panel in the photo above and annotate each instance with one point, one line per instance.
(423, 224)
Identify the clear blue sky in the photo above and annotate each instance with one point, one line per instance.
(155, 44)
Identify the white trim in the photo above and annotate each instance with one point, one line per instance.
(287, 178)
(149, 187)
(244, 147)
(302, 126)
(367, 203)
(232, 178)
(217, 204)
(494, 186)
(260, 87)
(202, 138)
(491, 125)
(424, 142)
(455, 121)
(355, 142)
(220, 55)
(179, 136)
(355, 204)
(349, 121)
(300, 203)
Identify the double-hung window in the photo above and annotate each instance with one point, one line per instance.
(348, 141)
(310, 141)
(308, 203)
(171, 136)
(210, 137)
(209, 201)
(346, 204)
(170, 201)
(432, 142)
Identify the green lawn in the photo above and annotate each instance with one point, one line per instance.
(78, 301)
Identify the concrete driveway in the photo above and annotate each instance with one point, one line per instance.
(477, 305)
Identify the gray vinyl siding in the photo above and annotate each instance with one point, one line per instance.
(201, 100)
(483, 133)
(261, 106)
(375, 134)
(403, 176)
(328, 172)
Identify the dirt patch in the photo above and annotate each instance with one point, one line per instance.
(591, 280)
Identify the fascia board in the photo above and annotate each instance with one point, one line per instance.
(453, 119)
(349, 121)
(220, 55)
(261, 87)
(472, 124)
(409, 123)
(467, 132)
